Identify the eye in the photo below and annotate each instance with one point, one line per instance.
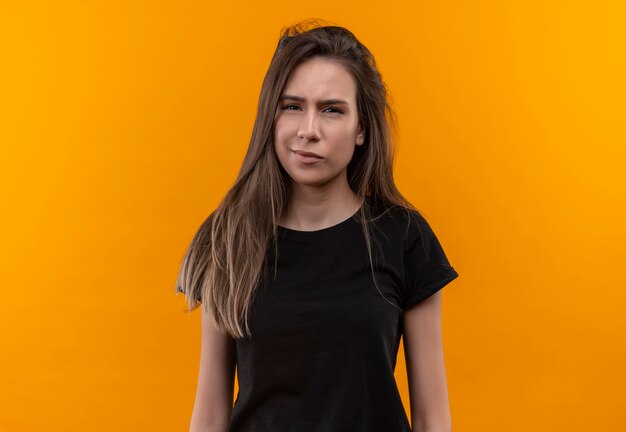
(337, 110)
(289, 106)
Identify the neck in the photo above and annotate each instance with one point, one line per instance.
(312, 208)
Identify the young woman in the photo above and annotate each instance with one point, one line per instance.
(314, 265)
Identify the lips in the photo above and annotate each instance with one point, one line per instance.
(308, 154)
(307, 158)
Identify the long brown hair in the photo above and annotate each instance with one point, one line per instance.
(222, 267)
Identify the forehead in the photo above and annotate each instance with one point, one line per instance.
(320, 78)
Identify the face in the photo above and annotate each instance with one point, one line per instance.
(317, 114)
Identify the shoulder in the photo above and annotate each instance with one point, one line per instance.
(404, 221)
(409, 227)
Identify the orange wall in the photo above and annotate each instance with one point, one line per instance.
(122, 124)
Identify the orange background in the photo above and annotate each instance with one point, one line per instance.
(122, 125)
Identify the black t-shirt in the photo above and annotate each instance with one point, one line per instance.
(324, 339)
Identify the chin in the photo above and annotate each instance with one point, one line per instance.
(311, 182)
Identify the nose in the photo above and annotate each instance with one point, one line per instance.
(308, 126)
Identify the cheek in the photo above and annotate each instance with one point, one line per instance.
(344, 140)
(281, 132)
(281, 143)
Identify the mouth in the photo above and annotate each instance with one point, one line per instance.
(307, 154)
(307, 157)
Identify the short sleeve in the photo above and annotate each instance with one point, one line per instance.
(425, 265)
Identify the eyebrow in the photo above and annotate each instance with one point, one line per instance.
(325, 101)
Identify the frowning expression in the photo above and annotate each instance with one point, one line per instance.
(317, 114)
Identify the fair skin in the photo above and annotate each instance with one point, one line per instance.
(423, 350)
(320, 194)
(216, 378)
(321, 197)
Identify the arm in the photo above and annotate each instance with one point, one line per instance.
(214, 395)
(423, 349)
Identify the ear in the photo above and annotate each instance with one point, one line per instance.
(360, 138)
